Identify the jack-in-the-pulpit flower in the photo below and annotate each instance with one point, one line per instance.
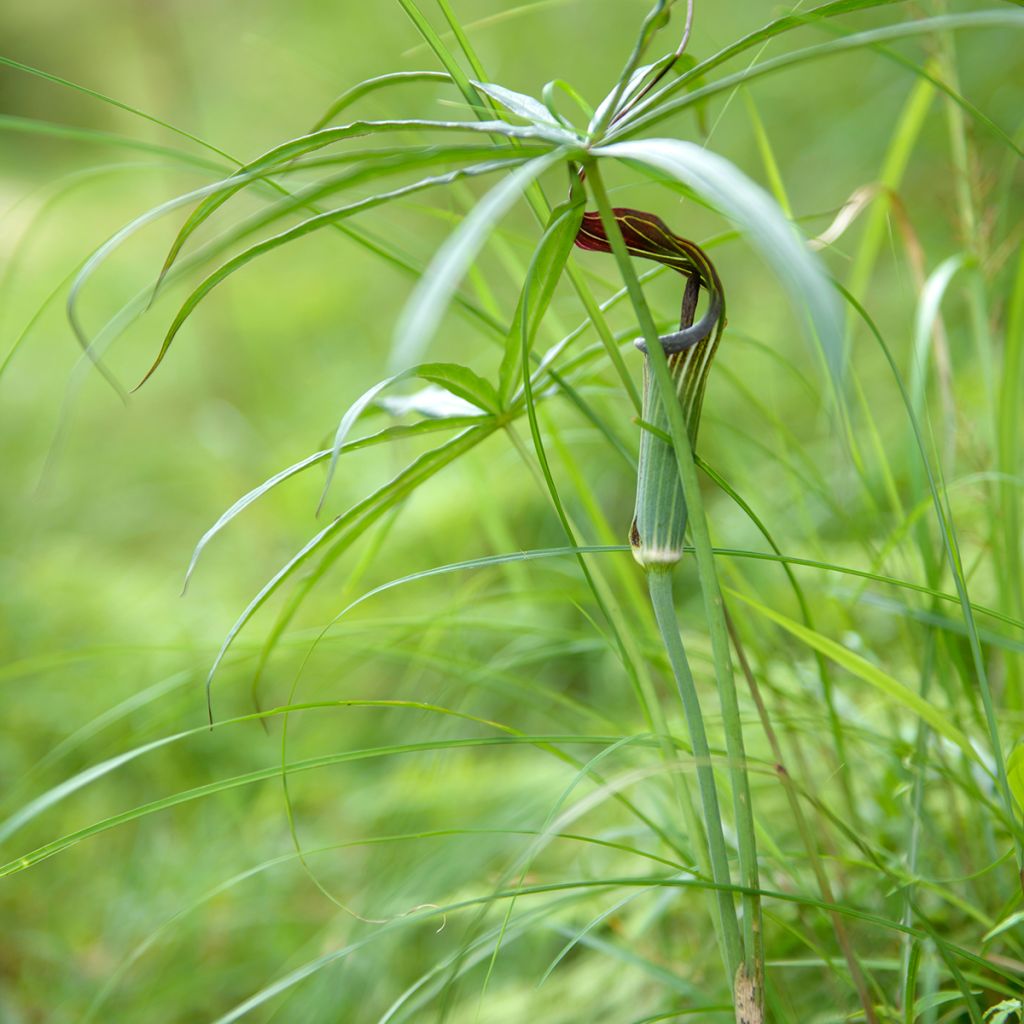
(659, 520)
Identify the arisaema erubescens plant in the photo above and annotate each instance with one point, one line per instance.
(536, 153)
(683, 359)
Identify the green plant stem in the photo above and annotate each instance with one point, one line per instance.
(659, 584)
(911, 950)
(707, 573)
(1011, 398)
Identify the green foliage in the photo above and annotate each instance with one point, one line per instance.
(448, 775)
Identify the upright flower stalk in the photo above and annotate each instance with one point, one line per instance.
(675, 374)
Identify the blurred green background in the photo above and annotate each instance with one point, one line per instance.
(104, 502)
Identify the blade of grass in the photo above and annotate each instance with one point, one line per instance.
(371, 85)
(640, 121)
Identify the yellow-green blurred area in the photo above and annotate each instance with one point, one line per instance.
(185, 911)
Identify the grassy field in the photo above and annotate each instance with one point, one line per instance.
(456, 771)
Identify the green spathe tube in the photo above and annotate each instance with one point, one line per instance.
(659, 519)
